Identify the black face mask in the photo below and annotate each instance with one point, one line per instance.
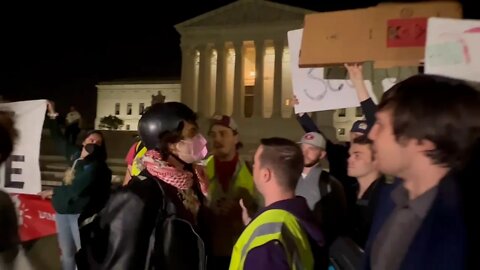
(92, 148)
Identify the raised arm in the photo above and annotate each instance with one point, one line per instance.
(369, 108)
(306, 121)
(61, 144)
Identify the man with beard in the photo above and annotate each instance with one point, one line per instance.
(230, 179)
(337, 153)
(324, 194)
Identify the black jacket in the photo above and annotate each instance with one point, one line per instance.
(444, 239)
(119, 237)
(90, 187)
(362, 215)
(331, 210)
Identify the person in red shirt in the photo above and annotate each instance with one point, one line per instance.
(230, 179)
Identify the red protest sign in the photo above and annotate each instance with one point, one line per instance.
(36, 216)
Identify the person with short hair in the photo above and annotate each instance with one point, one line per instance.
(362, 165)
(427, 129)
(324, 194)
(337, 153)
(229, 180)
(283, 234)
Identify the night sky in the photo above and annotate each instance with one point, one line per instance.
(61, 54)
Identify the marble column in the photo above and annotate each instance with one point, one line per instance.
(204, 82)
(259, 70)
(239, 83)
(220, 89)
(277, 79)
(188, 76)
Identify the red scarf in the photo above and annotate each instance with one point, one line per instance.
(225, 171)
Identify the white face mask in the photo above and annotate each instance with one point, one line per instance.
(193, 149)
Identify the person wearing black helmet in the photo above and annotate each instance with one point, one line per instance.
(153, 221)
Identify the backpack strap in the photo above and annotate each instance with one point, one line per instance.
(167, 209)
(161, 213)
(324, 183)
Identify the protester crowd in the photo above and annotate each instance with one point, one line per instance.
(396, 196)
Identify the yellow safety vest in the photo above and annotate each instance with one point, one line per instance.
(138, 154)
(242, 180)
(225, 219)
(271, 225)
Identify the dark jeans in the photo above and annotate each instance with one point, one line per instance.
(71, 133)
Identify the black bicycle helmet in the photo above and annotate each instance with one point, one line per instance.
(161, 118)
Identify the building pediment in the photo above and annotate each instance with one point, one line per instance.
(245, 12)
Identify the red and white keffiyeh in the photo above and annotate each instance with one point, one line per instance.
(164, 171)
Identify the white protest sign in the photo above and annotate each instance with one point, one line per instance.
(313, 91)
(21, 172)
(388, 83)
(453, 48)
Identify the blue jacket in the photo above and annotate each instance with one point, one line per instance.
(441, 240)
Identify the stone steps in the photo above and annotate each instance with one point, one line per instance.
(53, 167)
(61, 167)
(55, 179)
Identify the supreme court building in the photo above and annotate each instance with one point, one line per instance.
(235, 59)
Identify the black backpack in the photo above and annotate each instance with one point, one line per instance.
(344, 253)
(324, 183)
(331, 210)
(174, 242)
